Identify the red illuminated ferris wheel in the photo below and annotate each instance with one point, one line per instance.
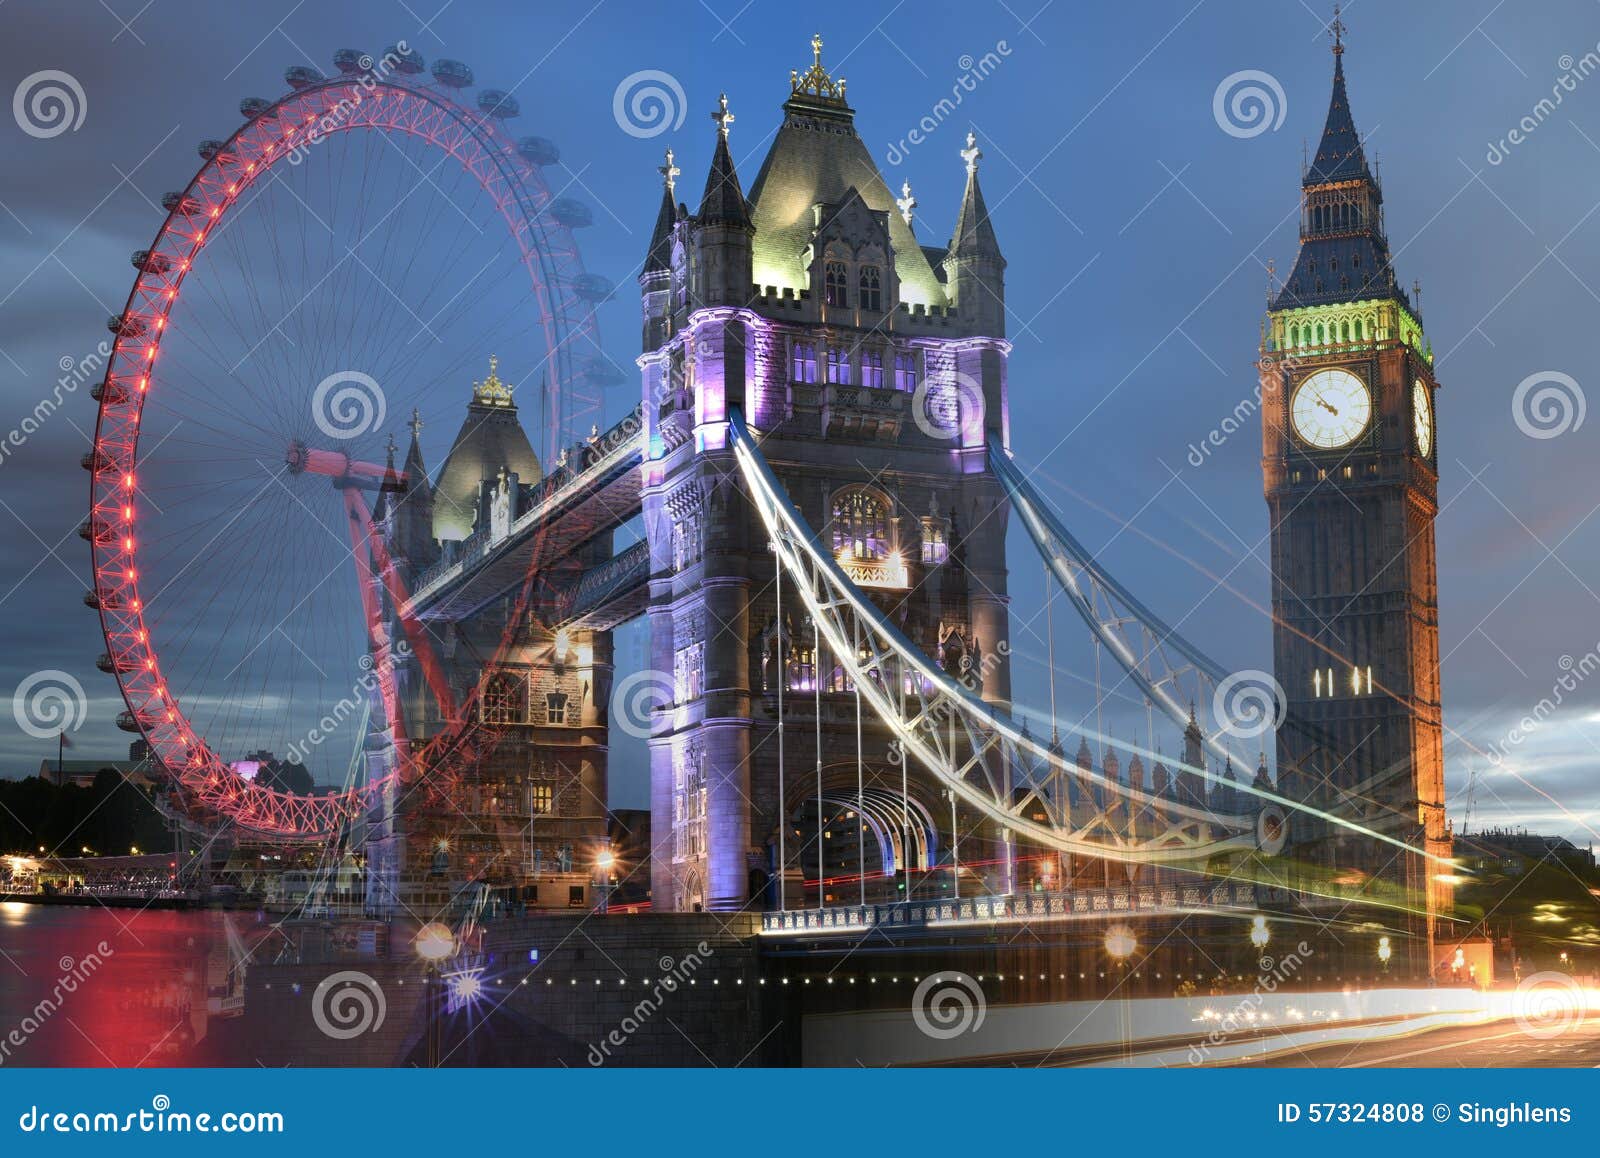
(337, 266)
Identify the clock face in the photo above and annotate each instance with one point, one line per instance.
(1330, 409)
(1422, 418)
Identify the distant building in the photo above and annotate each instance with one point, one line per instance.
(82, 773)
(1517, 852)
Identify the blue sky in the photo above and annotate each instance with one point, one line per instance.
(1137, 233)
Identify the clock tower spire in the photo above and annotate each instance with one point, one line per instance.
(1351, 482)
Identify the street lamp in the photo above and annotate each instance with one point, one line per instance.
(434, 943)
(1259, 933)
(603, 863)
(1120, 944)
(1385, 951)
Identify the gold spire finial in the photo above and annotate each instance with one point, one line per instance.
(491, 391)
(722, 116)
(906, 203)
(1336, 30)
(416, 422)
(669, 172)
(816, 83)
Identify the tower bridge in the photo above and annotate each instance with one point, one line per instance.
(821, 471)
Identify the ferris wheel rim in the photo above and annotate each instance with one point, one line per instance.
(517, 189)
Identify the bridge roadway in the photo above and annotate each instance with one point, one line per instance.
(568, 508)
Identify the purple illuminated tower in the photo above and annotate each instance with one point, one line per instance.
(873, 369)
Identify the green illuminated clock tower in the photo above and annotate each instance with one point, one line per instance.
(1349, 457)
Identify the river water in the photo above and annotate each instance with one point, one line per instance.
(95, 986)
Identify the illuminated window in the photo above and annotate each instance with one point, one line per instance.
(872, 369)
(688, 672)
(905, 371)
(934, 547)
(803, 362)
(541, 799)
(860, 524)
(871, 288)
(555, 708)
(836, 284)
(838, 366)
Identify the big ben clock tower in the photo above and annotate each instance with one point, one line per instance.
(1349, 455)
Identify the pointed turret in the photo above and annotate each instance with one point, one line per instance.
(1344, 255)
(974, 269)
(723, 201)
(723, 231)
(658, 258)
(490, 438)
(389, 486)
(1262, 781)
(412, 520)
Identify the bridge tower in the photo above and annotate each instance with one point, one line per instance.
(1350, 465)
(873, 369)
(521, 809)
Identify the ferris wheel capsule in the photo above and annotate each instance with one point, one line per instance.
(498, 104)
(301, 76)
(125, 325)
(147, 261)
(593, 287)
(408, 60)
(573, 214)
(1272, 829)
(127, 722)
(254, 108)
(351, 61)
(210, 149)
(452, 73)
(538, 151)
(180, 203)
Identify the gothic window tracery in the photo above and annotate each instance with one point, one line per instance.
(838, 366)
(871, 288)
(860, 524)
(505, 698)
(836, 284)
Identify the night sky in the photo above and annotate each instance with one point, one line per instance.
(1137, 232)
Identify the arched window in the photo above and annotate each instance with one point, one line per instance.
(836, 284)
(871, 288)
(505, 699)
(860, 525)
